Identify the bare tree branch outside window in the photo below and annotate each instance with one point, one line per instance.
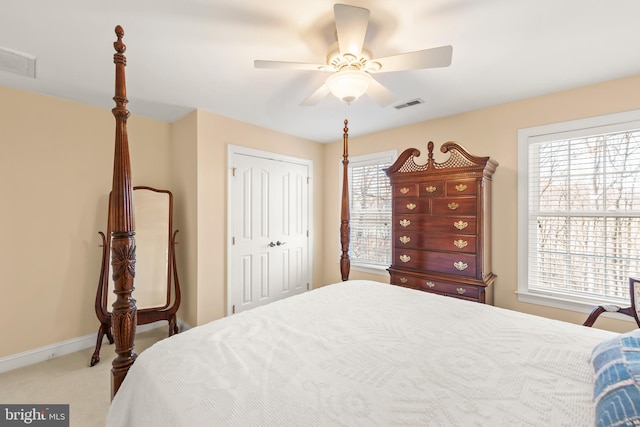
(585, 214)
(370, 205)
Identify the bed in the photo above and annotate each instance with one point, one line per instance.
(353, 353)
(360, 353)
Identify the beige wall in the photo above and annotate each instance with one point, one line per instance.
(56, 174)
(184, 137)
(56, 164)
(490, 132)
(208, 202)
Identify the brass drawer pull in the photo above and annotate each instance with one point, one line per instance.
(431, 189)
(460, 265)
(460, 225)
(411, 206)
(461, 187)
(405, 222)
(430, 284)
(460, 243)
(403, 280)
(453, 206)
(405, 239)
(404, 190)
(461, 291)
(405, 258)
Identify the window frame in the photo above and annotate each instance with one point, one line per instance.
(609, 123)
(363, 160)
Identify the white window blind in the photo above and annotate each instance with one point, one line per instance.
(583, 213)
(370, 208)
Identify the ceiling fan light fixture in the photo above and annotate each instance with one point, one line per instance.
(349, 85)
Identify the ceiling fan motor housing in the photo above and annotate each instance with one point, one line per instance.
(337, 61)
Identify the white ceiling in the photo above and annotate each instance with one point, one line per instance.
(191, 54)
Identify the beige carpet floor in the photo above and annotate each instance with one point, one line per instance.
(70, 380)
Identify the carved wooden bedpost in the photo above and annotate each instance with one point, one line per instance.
(345, 263)
(123, 248)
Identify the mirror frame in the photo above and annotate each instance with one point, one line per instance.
(144, 315)
(143, 285)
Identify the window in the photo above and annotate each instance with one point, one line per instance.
(370, 208)
(579, 204)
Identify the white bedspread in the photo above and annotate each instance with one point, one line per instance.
(362, 353)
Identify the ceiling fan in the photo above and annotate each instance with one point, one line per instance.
(352, 64)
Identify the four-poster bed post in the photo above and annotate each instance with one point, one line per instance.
(345, 263)
(123, 248)
(122, 223)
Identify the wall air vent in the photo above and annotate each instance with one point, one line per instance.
(18, 63)
(409, 104)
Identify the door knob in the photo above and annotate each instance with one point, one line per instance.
(279, 243)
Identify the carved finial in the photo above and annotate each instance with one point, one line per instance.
(118, 45)
(430, 148)
(430, 160)
(345, 141)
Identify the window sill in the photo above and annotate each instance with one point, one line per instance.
(565, 303)
(370, 268)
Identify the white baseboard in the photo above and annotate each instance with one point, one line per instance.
(62, 348)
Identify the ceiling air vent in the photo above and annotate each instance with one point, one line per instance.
(18, 63)
(409, 104)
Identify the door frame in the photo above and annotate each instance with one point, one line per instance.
(237, 149)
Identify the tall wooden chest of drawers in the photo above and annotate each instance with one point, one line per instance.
(441, 223)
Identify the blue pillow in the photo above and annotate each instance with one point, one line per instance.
(616, 363)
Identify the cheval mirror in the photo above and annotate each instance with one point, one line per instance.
(157, 289)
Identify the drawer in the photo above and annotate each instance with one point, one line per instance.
(462, 187)
(410, 206)
(405, 190)
(442, 262)
(445, 224)
(454, 206)
(436, 241)
(461, 290)
(431, 189)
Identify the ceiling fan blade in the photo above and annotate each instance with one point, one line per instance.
(351, 27)
(290, 65)
(428, 58)
(380, 94)
(316, 96)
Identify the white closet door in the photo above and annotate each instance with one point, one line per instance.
(269, 223)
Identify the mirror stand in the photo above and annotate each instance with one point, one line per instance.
(157, 285)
